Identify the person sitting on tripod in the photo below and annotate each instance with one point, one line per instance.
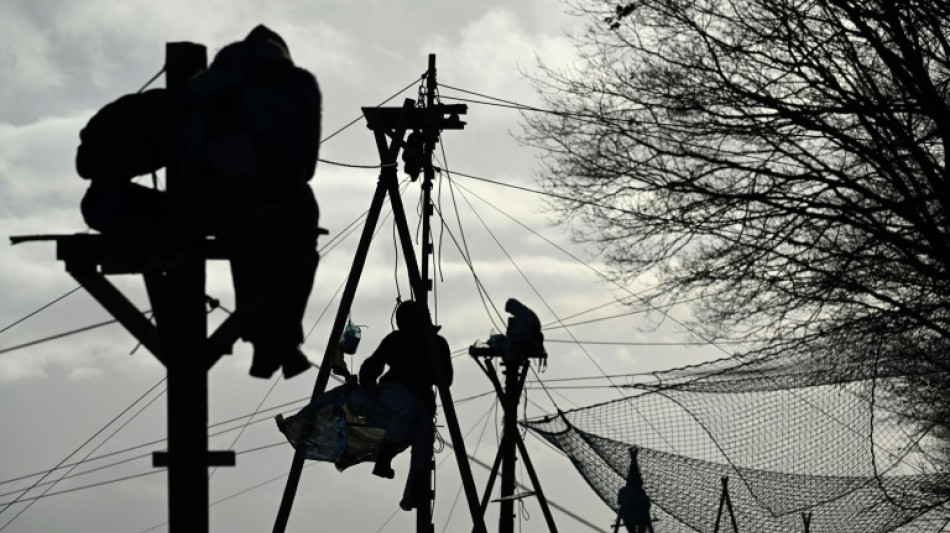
(252, 134)
(405, 400)
(523, 333)
(522, 338)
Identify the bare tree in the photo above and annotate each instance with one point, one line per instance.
(781, 162)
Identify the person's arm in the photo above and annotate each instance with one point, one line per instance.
(446, 355)
(310, 116)
(374, 365)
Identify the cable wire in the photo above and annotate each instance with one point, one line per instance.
(96, 434)
(58, 336)
(152, 79)
(34, 313)
(357, 119)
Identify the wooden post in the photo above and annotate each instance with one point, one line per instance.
(385, 127)
(506, 514)
(178, 300)
(429, 133)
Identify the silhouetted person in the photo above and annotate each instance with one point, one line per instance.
(124, 139)
(405, 397)
(252, 134)
(633, 500)
(524, 337)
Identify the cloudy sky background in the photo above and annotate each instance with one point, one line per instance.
(63, 59)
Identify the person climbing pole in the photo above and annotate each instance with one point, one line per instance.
(405, 399)
(251, 125)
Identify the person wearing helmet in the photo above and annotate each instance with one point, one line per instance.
(404, 395)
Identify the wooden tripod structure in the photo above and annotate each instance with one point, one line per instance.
(515, 373)
(389, 125)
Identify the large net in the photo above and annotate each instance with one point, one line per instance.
(817, 439)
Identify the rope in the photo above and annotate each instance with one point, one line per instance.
(355, 165)
(152, 79)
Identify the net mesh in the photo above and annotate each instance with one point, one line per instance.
(824, 439)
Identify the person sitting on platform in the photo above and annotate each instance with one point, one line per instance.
(404, 396)
(123, 140)
(524, 332)
(252, 135)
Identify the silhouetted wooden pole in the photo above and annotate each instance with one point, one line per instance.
(429, 132)
(506, 515)
(179, 303)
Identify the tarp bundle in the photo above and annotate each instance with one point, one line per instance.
(334, 427)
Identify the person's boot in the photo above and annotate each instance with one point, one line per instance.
(265, 361)
(294, 363)
(384, 457)
(416, 493)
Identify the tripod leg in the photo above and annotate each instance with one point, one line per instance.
(529, 466)
(359, 261)
(448, 407)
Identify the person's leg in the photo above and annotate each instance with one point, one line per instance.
(423, 440)
(291, 305)
(399, 408)
(250, 272)
(420, 462)
(124, 209)
(273, 276)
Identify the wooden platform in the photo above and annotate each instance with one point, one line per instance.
(120, 255)
(89, 257)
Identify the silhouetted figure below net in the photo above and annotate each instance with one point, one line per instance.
(250, 125)
(633, 501)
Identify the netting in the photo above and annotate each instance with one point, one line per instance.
(820, 437)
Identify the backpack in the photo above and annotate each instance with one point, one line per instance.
(124, 139)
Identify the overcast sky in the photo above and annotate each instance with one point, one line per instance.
(63, 59)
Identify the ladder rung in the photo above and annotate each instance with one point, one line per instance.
(515, 496)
